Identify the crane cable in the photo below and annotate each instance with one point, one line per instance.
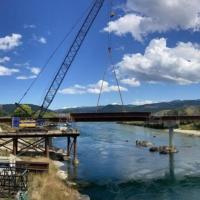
(110, 16)
(53, 54)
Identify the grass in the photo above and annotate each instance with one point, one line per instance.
(4, 153)
(49, 186)
(6, 127)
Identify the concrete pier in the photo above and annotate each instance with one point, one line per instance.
(171, 134)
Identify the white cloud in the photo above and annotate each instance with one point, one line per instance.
(131, 82)
(41, 39)
(91, 88)
(29, 26)
(115, 104)
(26, 64)
(4, 59)
(26, 77)
(143, 102)
(148, 16)
(67, 107)
(34, 70)
(10, 42)
(4, 71)
(159, 63)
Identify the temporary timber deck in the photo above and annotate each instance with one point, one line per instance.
(32, 134)
(19, 142)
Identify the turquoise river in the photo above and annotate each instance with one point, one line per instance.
(112, 167)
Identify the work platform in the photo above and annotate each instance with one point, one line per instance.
(32, 134)
(41, 142)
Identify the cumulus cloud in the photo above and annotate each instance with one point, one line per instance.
(10, 42)
(34, 70)
(160, 63)
(91, 88)
(4, 59)
(131, 82)
(4, 71)
(148, 16)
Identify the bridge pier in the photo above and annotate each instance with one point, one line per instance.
(171, 124)
(72, 144)
(75, 160)
(171, 134)
(50, 142)
(68, 146)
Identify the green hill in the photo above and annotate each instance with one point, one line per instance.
(185, 107)
(8, 109)
(178, 107)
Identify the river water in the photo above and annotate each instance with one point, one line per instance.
(113, 168)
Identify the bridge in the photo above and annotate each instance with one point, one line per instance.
(113, 117)
(44, 137)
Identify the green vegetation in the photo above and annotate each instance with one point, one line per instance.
(23, 111)
(190, 126)
(8, 109)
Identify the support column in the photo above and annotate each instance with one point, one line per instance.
(50, 142)
(171, 134)
(47, 147)
(68, 146)
(15, 146)
(75, 160)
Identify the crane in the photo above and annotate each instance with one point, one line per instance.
(67, 62)
(70, 56)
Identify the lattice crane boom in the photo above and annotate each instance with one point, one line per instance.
(70, 56)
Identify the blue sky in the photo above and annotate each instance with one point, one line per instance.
(155, 50)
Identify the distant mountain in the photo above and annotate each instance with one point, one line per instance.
(162, 108)
(184, 107)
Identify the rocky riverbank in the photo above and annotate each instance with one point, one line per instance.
(188, 132)
(176, 130)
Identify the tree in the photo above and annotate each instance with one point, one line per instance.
(1, 113)
(19, 112)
